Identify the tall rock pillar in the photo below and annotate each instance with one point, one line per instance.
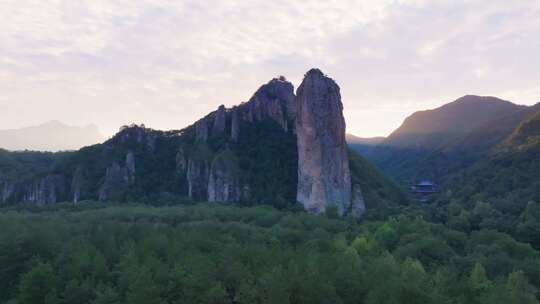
(324, 177)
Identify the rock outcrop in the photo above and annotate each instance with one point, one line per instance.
(117, 179)
(197, 178)
(134, 134)
(274, 100)
(235, 124)
(45, 190)
(220, 119)
(130, 166)
(358, 204)
(323, 164)
(8, 190)
(223, 182)
(201, 129)
(215, 181)
(76, 185)
(181, 161)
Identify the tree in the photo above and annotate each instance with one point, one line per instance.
(415, 287)
(143, 289)
(106, 295)
(478, 279)
(366, 246)
(519, 289)
(76, 292)
(479, 285)
(38, 285)
(275, 287)
(215, 295)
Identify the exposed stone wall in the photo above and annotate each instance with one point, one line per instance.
(197, 178)
(323, 164)
(46, 190)
(117, 179)
(220, 119)
(223, 182)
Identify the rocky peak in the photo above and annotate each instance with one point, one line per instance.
(323, 164)
(277, 88)
(134, 134)
(274, 100)
(314, 72)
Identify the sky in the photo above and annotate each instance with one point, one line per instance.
(168, 63)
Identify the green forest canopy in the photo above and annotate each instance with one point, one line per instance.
(208, 253)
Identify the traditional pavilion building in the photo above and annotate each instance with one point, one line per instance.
(424, 190)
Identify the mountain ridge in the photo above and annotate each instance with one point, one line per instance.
(246, 154)
(455, 118)
(465, 130)
(50, 136)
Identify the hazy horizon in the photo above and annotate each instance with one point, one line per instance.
(167, 64)
(105, 136)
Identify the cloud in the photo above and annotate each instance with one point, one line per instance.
(166, 63)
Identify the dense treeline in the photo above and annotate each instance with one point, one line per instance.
(27, 164)
(223, 254)
(498, 191)
(501, 192)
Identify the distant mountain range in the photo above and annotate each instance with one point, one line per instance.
(50, 136)
(352, 139)
(436, 143)
(363, 145)
(441, 127)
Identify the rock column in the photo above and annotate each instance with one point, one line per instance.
(323, 165)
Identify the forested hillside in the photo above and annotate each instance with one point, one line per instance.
(27, 164)
(436, 143)
(222, 254)
(501, 191)
(489, 176)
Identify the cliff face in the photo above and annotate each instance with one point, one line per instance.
(117, 179)
(199, 162)
(323, 164)
(224, 179)
(220, 121)
(274, 100)
(197, 178)
(46, 190)
(210, 169)
(276, 148)
(7, 191)
(76, 185)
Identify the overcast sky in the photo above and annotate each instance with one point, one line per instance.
(168, 63)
